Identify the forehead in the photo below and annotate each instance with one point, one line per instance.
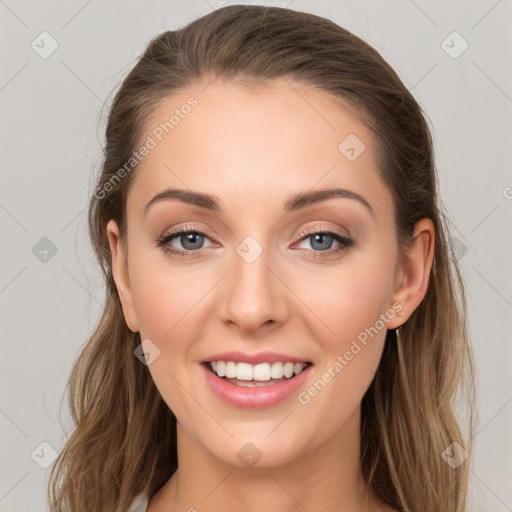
(252, 143)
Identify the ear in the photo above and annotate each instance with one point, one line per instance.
(413, 275)
(120, 274)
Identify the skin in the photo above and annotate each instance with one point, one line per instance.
(253, 148)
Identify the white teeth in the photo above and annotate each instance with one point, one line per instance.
(221, 368)
(258, 372)
(243, 371)
(276, 372)
(231, 370)
(288, 370)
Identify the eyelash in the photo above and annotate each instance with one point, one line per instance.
(166, 239)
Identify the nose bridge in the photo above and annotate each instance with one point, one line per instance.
(253, 294)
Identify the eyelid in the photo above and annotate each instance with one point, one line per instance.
(185, 229)
(163, 242)
(323, 229)
(346, 241)
(307, 231)
(174, 233)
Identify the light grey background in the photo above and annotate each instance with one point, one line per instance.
(51, 140)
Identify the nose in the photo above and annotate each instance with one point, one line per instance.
(253, 294)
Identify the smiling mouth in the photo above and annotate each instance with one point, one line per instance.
(258, 375)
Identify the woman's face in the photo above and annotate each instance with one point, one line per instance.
(255, 280)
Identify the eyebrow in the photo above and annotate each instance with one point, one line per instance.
(296, 202)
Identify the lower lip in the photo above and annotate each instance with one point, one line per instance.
(254, 397)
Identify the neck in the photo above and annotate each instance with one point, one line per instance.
(325, 478)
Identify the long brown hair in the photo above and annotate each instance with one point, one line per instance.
(124, 442)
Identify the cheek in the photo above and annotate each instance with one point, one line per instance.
(168, 305)
(352, 304)
(165, 299)
(349, 299)
(351, 351)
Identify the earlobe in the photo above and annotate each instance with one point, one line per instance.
(120, 275)
(415, 271)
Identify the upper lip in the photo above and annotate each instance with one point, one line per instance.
(258, 358)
